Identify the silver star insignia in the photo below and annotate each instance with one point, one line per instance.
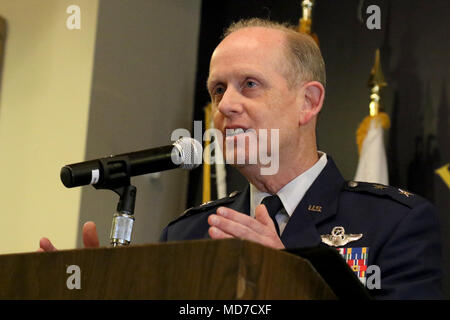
(338, 237)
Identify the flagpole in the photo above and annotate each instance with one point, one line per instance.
(206, 163)
(305, 22)
(376, 83)
(372, 164)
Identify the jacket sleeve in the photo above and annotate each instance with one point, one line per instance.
(163, 236)
(411, 260)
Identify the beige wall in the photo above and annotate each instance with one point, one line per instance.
(142, 89)
(44, 104)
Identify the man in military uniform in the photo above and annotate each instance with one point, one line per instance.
(266, 76)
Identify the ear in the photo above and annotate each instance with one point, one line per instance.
(313, 94)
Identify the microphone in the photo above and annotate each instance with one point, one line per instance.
(185, 153)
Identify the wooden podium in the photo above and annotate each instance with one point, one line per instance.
(189, 270)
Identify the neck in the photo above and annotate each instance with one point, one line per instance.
(290, 167)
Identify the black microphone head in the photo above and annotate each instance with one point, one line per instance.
(80, 174)
(66, 176)
(189, 153)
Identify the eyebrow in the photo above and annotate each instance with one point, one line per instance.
(211, 82)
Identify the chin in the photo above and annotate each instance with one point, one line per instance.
(240, 158)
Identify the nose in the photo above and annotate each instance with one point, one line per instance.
(231, 103)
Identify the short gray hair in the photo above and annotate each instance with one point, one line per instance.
(301, 51)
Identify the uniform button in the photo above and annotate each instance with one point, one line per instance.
(234, 193)
(353, 184)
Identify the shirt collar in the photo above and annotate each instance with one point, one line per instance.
(292, 193)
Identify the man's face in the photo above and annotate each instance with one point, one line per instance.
(249, 90)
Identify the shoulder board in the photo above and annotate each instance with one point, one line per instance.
(208, 205)
(406, 198)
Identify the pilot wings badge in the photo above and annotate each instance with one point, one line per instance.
(338, 237)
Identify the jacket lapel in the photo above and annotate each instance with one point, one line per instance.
(319, 203)
(242, 202)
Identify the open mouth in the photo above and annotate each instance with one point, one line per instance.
(247, 136)
(234, 132)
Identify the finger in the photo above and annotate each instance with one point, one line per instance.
(240, 218)
(90, 236)
(262, 215)
(46, 245)
(231, 227)
(223, 228)
(216, 233)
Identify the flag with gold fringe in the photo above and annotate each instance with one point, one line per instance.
(372, 164)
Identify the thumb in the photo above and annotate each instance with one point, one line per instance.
(90, 236)
(262, 215)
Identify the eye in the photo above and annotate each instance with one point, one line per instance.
(250, 84)
(218, 90)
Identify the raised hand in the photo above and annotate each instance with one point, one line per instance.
(228, 223)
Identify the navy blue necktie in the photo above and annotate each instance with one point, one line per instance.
(273, 205)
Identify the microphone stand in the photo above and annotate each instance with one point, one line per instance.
(116, 173)
(123, 219)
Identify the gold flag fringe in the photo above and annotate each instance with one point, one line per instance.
(381, 119)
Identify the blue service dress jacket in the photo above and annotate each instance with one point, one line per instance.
(385, 227)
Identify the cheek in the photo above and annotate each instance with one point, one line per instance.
(218, 121)
(280, 115)
(290, 114)
(217, 118)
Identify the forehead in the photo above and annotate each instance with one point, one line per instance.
(258, 48)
